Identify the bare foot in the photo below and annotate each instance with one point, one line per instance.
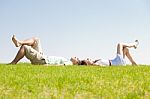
(134, 64)
(11, 63)
(15, 41)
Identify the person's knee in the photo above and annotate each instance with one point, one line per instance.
(25, 47)
(119, 45)
(36, 39)
(125, 49)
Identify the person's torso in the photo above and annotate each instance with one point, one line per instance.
(54, 60)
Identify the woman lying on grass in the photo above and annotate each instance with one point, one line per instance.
(31, 49)
(122, 51)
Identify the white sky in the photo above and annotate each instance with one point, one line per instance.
(83, 28)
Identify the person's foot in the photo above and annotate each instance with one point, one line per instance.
(11, 64)
(136, 44)
(15, 41)
(134, 64)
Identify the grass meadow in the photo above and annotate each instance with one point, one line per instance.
(28, 81)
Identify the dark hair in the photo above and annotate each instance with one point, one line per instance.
(82, 62)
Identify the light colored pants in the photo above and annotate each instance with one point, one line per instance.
(34, 54)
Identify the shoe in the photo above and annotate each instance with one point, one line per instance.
(136, 44)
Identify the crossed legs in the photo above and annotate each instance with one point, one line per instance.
(123, 49)
(18, 43)
(21, 43)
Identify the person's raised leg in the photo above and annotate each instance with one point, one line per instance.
(127, 53)
(33, 42)
(29, 42)
(19, 56)
(121, 46)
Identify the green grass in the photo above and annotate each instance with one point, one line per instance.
(32, 82)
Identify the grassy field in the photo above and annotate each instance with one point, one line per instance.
(39, 82)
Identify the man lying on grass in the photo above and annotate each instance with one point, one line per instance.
(31, 49)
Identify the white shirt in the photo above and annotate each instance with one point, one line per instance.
(54, 60)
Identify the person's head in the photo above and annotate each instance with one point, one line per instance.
(74, 60)
(89, 61)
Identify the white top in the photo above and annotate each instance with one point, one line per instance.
(102, 62)
(54, 60)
